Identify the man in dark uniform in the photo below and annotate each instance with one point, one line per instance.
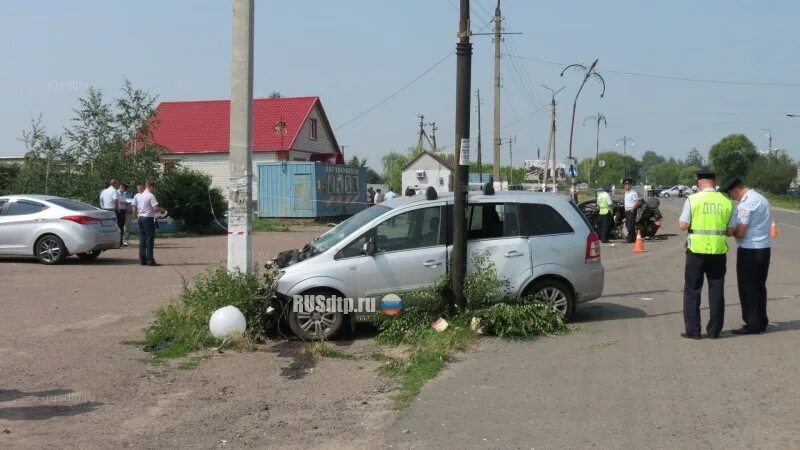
(707, 216)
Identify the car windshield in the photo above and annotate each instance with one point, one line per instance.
(348, 227)
(72, 205)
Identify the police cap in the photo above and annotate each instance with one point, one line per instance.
(730, 184)
(705, 174)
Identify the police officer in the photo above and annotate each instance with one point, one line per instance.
(753, 220)
(631, 199)
(707, 216)
(604, 205)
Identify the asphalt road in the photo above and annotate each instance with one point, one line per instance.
(624, 378)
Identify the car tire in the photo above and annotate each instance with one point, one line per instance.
(559, 294)
(665, 195)
(88, 256)
(50, 249)
(315, 326)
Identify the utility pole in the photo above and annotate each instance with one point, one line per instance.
(463, 95)
(624, 140)
(498, 27)
(599, 118)
(240, 197)
(769, 135)
(433, 135)
(421, 131)
(551, 145)
(480, 169)
(511, 140)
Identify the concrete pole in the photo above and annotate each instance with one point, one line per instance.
(240, 206)
(480, 169)
(498, 19)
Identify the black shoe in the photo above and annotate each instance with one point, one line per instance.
(154, 264)
(690, 336)
(144, 264)
(745, 330)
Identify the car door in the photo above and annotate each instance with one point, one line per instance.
(20, 221)
(550, 236)
(493, 233)
(410, 253)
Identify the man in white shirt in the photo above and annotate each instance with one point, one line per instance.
(378, 196)
(631, 197)
(109, 196)
(389, 195)
(122, 213)
(147, 208)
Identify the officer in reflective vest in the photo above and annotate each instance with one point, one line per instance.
(604, 205)
(707, 216)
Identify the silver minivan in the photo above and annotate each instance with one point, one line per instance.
(538, 242)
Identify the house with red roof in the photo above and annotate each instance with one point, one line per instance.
(196, 134)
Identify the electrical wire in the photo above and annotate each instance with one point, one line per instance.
(665, 77)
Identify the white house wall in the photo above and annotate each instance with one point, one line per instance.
(433, 171)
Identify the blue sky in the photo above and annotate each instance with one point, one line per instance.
(354, 53)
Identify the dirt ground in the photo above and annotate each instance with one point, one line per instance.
(71, 376)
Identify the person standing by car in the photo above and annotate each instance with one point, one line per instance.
(389, 194)
(122, 213)
(147, 208)
(604, 205)
(753, 221)
(708, 217)
(109, 197)
(631, 197)
(370, 197)
(378, 196)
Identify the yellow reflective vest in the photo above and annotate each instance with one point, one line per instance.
(711, 212)
(602, 203)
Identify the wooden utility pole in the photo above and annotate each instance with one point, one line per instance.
(433, 136)
(498, 27)
(551, 144)
(511, 140)
(240, 195)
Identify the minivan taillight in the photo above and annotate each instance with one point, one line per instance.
(82, 220)
(593, 248)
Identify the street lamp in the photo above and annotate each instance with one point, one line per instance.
(588, 73)
(599, 118)
(625, 140)
(769, 135)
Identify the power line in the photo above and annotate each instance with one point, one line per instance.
(667, 77)
(406, 86)
(524, 117)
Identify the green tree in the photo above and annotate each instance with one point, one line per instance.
(616, 165)
(732, 156)
(393, 164)
(694, 158)
(275, 94)
(772, 173)
(188, 195)
(8, 173)
(357, 162)
(373, 177)
(665, 174)
(649, 159)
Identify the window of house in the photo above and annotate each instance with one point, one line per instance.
(313, 129)
(540, 219)
(492, 220)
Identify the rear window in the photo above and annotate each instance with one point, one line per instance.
(537, 219)
(72, 205)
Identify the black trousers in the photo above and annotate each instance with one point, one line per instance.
(604, 222)
(752, 268)
(147, 238)
(121, 216)
(630, 224)
(698, 267)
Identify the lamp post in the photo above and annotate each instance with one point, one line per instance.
(769, 136)
(588, 73)
(599, 118)
(624, 140)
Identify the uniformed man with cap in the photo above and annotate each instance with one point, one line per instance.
(604, 205)
(753, 220)
(707, 216)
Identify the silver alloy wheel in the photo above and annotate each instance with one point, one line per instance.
(556, 300)
(49, 249)
(320, 324)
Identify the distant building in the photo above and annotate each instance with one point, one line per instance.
(197, 135)
(430, 169)
(19, 160)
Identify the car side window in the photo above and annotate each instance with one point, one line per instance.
(23, 207)
(538, 219)
(353, 249)
(2, 204)
(492, 220)
(413, 229)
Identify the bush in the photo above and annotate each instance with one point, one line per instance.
(8, 172)
(772, 173)
(520, 321)
(188, 195)
(182, 326)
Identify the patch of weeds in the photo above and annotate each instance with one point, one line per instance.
(599, 345)
(262, 224)
(191, 362)
(520, 321)
(324, 350)
(182, 326)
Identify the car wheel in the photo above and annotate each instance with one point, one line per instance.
(665, 194)
(315, 325)
(50, 249)
(88, 256)
(558, 295)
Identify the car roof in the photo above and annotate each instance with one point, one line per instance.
(31, 197)
(480, 197)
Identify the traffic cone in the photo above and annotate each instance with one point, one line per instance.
(638, 246)
(773, 230)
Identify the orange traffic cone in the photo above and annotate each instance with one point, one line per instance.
(638, 246)
(773, 230)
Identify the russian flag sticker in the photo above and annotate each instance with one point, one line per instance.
(391, 304)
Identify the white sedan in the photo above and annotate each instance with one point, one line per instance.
(52, 228)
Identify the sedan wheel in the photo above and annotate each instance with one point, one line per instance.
(315, 325)
(50, 249)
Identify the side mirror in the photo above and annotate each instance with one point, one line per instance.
(370, 249)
